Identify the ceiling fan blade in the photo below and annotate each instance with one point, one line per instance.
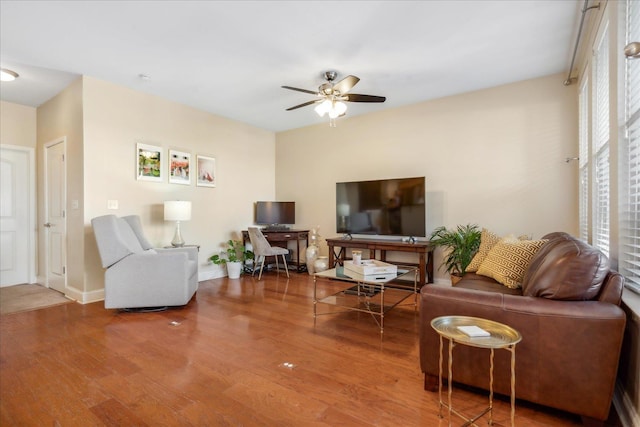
(345, 85)
(300, 90)
(305, 104)
(354, 97)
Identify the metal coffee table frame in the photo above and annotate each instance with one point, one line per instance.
(502, 337)
(371, 295)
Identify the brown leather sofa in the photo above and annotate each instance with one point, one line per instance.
(568, 314)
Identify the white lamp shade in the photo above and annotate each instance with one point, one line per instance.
(177, 210)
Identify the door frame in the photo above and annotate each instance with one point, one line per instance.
(31, 197)
(63, 141)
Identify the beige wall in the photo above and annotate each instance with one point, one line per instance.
(115, 118)
(494, 157)
(17, 125)
(61, 118)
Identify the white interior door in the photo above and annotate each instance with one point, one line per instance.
(17, 256)
(55, 225)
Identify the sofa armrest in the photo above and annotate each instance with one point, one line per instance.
(568, 356)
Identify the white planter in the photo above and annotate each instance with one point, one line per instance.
(234, 269)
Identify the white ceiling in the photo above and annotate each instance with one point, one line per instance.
(231, 58)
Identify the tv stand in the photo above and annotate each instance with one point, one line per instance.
(423, 249)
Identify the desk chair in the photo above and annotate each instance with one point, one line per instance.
(262, 249)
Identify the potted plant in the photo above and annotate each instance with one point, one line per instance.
(233, 257)
(461, 244)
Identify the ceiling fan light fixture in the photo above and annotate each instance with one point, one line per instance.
(323, 108)
(337, 109)
(7, 75)
(330, 97)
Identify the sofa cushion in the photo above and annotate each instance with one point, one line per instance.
(566, 268)
(484, 283)
(508, 260)
(487, 241)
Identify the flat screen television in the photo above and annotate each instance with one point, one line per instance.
(388, 207)
(275, 214)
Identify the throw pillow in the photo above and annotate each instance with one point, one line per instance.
(508, 260)
(487, 241)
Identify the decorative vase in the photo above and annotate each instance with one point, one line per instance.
(234, 269)
(311, 253)
(321, 264)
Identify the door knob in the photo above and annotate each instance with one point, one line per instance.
(49, 225)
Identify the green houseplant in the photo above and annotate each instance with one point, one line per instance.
(460, 244)
(233, 257)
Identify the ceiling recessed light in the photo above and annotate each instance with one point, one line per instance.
(7, 75)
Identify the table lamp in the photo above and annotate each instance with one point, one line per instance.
(176, 210)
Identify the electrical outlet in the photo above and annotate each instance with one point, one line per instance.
(112, 204)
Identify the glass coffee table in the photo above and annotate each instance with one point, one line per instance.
(375, 294)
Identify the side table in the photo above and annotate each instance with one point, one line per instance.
(184, 246)
(500, 337)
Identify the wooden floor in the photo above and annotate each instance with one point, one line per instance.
(242, 353)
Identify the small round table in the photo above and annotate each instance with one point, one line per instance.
(499, 336)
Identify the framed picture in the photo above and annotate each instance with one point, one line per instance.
(179, 167)
(149, 162)
(206, 171)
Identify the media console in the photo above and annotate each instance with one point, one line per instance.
(423, 249)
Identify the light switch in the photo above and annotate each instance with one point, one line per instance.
(112, 204)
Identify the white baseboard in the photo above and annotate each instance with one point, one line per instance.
(76, 294)
(624, 407)
(98, 294)
(210, 274)
(84, 297)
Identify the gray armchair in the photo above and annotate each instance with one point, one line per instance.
(138, 275)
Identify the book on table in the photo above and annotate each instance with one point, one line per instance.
(474, 331)
(368, 267)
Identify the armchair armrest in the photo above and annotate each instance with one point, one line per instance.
(191, 251)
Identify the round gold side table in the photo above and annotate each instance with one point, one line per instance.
(500, 336)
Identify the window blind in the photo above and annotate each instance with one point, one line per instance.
(601, 208)
(600, 143)
(583, 162)
(601, 93)
(630, 210)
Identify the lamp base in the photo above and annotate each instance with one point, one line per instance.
(177, 241)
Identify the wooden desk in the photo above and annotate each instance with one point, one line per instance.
(423, 249)
(282, 238)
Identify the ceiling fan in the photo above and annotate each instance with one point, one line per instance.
(330, 96)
